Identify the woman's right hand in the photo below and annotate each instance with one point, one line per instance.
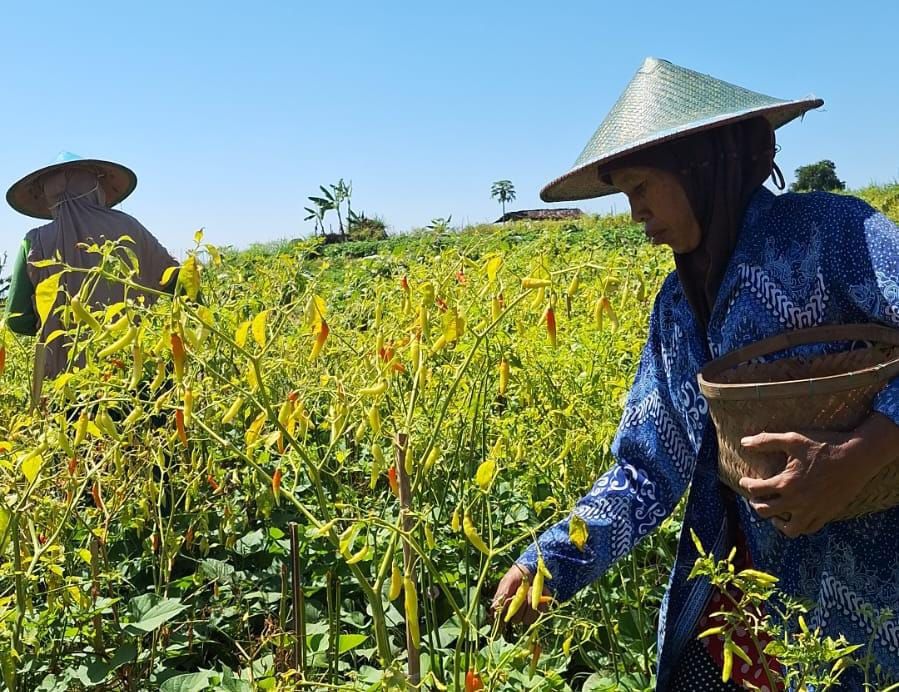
(506, 590)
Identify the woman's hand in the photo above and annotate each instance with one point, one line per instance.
(506, 590)
(824, 472)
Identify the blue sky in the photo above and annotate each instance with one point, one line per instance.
(232, 114)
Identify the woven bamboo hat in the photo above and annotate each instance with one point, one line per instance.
(27, 196)
(663, 102)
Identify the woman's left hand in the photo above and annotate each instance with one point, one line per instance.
(824, 472)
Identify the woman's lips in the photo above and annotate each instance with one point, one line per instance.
(654, 234)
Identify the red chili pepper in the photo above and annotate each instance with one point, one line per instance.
(460, 277)
(404, 283)
(42, 538)
(293, 396)
(502, 301)
(2, 359)
(551, 325)
(441, 304)
(189, 536)
(179, 424)
(118, 363)
(391, 480)
(178, 357)
(212, 484)
(473, 681)
(73, 465)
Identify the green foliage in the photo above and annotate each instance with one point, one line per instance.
(817, 176)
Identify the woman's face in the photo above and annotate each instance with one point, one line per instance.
(659, 202)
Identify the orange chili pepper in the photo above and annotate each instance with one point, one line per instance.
(391, 479)
(212, 483)
(2, 359)
(73, 465)
(321, 335)
(276, 482)
(98, 499)
(473, 681)
(404, 283)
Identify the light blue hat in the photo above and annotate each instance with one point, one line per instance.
(663, 102)
(27, 195)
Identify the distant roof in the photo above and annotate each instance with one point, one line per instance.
(540, 215)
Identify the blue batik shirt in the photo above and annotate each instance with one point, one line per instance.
(801, 260)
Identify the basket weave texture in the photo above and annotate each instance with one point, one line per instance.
(828, 392)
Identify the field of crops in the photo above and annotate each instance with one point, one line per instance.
(146, 505)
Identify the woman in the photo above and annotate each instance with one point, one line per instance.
(77, 195)
(691, 153)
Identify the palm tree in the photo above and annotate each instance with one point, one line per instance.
(503, 191)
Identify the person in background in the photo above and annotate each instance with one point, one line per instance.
(76, 195)
(692, 153)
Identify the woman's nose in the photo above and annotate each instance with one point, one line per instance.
(640, 213)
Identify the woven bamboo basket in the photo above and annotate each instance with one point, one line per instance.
(828, 392)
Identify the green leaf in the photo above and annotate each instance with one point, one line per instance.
(577, 531)
(191, 682)
(151, 612)
(348, 642)
(45, 296)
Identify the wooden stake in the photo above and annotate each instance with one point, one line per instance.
(299, 603)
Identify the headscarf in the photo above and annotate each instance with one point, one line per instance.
(719, 169)
(80, 219)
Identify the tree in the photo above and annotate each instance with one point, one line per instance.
(503, 191)
(817, 176)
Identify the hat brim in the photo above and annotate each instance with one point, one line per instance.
(27, 197)
(584, 182)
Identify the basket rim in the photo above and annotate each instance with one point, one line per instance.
(872, 375)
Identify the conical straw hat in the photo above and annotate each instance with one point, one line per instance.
(662, 102)
(27, 197)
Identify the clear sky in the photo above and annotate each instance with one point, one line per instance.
(233, 113)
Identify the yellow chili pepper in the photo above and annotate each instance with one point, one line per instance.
(159, 378)
(396, 583)
(321, 335)
(574, 285)
(137, 371)
(119, 344)
(374, 419)
(503, 376)
(81, 428)
(188, 406)
(471, 533)
(429, 537)
(359, 556)
(530, 282)
(517, 601)
(537, 590)
(83, 315)
(411, 603)
(374, 390)
(454, 523)
(232, 411)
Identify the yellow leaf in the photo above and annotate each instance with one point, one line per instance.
(577, 531)
(54, 335)
(240, 336)
(31, 465)
(167, 275)
(198, 236)
(45, 295)
(485, 474)
(189, 277)
(315, 312)
(85, 555)
(214, 254)
(493, 267)
(259, 328)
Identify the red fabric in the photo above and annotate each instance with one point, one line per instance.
(743, 673)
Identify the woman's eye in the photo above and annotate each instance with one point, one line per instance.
(640, 189)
